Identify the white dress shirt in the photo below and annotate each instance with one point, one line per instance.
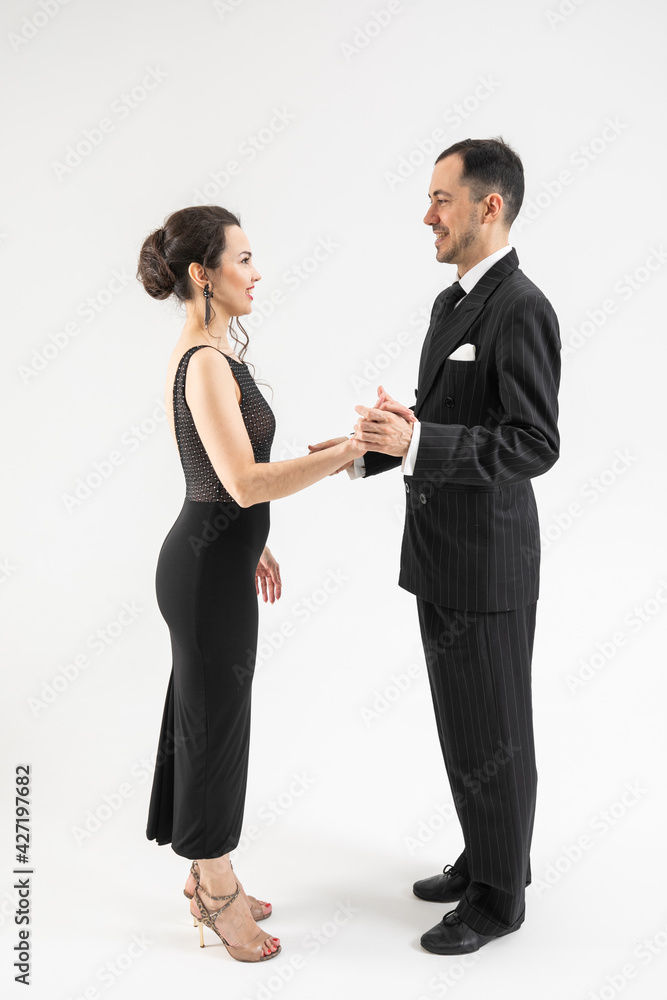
(467, 282)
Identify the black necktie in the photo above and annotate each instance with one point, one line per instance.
(454, 294)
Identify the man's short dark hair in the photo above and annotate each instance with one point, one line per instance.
(491, 165)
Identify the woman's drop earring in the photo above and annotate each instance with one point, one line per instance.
(207, 313)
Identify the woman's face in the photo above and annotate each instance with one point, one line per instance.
(236, 275)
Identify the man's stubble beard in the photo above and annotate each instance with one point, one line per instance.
(452, 253)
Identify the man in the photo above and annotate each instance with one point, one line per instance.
(483, 425)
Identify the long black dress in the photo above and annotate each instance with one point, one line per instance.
(205, 585)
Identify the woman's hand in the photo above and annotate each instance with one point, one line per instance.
(354, 446)
(267, 575)
(387, 402)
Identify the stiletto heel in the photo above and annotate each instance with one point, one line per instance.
(256, 905)
(251, 952)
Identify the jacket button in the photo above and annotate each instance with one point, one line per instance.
(422, 497)
(407, 487)
(449, 401)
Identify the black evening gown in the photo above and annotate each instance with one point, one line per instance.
(205, 585)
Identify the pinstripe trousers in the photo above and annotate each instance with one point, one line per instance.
(479, 668)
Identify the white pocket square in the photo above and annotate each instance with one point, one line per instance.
(466, 352)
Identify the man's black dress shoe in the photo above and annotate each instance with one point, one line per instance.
(445, 888)
(453, 937)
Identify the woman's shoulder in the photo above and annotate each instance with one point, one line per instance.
(209, 369)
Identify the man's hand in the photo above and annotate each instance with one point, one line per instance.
(383, 402)
(330, 444)
(387, 427)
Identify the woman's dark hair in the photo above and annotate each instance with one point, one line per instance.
(491, 165)
(196, 234)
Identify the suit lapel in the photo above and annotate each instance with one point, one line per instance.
(442, 338)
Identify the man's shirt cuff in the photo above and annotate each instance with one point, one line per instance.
(408, 463)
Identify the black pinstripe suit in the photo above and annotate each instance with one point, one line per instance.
(471, 555)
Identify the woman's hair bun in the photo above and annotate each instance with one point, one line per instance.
(153, 271)
(195, 234)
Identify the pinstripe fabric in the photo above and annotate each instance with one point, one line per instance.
(479, 671)
(471, 555)
(471, 533)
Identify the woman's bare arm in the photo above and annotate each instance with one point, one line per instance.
(211, 395)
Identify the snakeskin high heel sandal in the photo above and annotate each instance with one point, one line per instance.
(251, 952)
(256, 905)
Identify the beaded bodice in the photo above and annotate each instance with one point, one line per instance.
(201, 480)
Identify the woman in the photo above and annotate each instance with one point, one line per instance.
(213, 562)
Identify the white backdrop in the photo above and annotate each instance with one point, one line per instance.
(319, 123)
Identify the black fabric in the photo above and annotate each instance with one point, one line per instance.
(471, 537)
(201, 482)
(471, 555)
(446, 303)
(205, 586)
(479, 667)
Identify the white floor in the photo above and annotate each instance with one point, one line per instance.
(348, 926)
(335, 847)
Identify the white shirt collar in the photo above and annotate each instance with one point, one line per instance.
(471, 277)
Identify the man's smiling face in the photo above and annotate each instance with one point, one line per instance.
(454, 218)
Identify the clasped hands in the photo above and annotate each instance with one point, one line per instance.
(386, 427)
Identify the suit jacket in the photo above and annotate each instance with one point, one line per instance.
(471, 537)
